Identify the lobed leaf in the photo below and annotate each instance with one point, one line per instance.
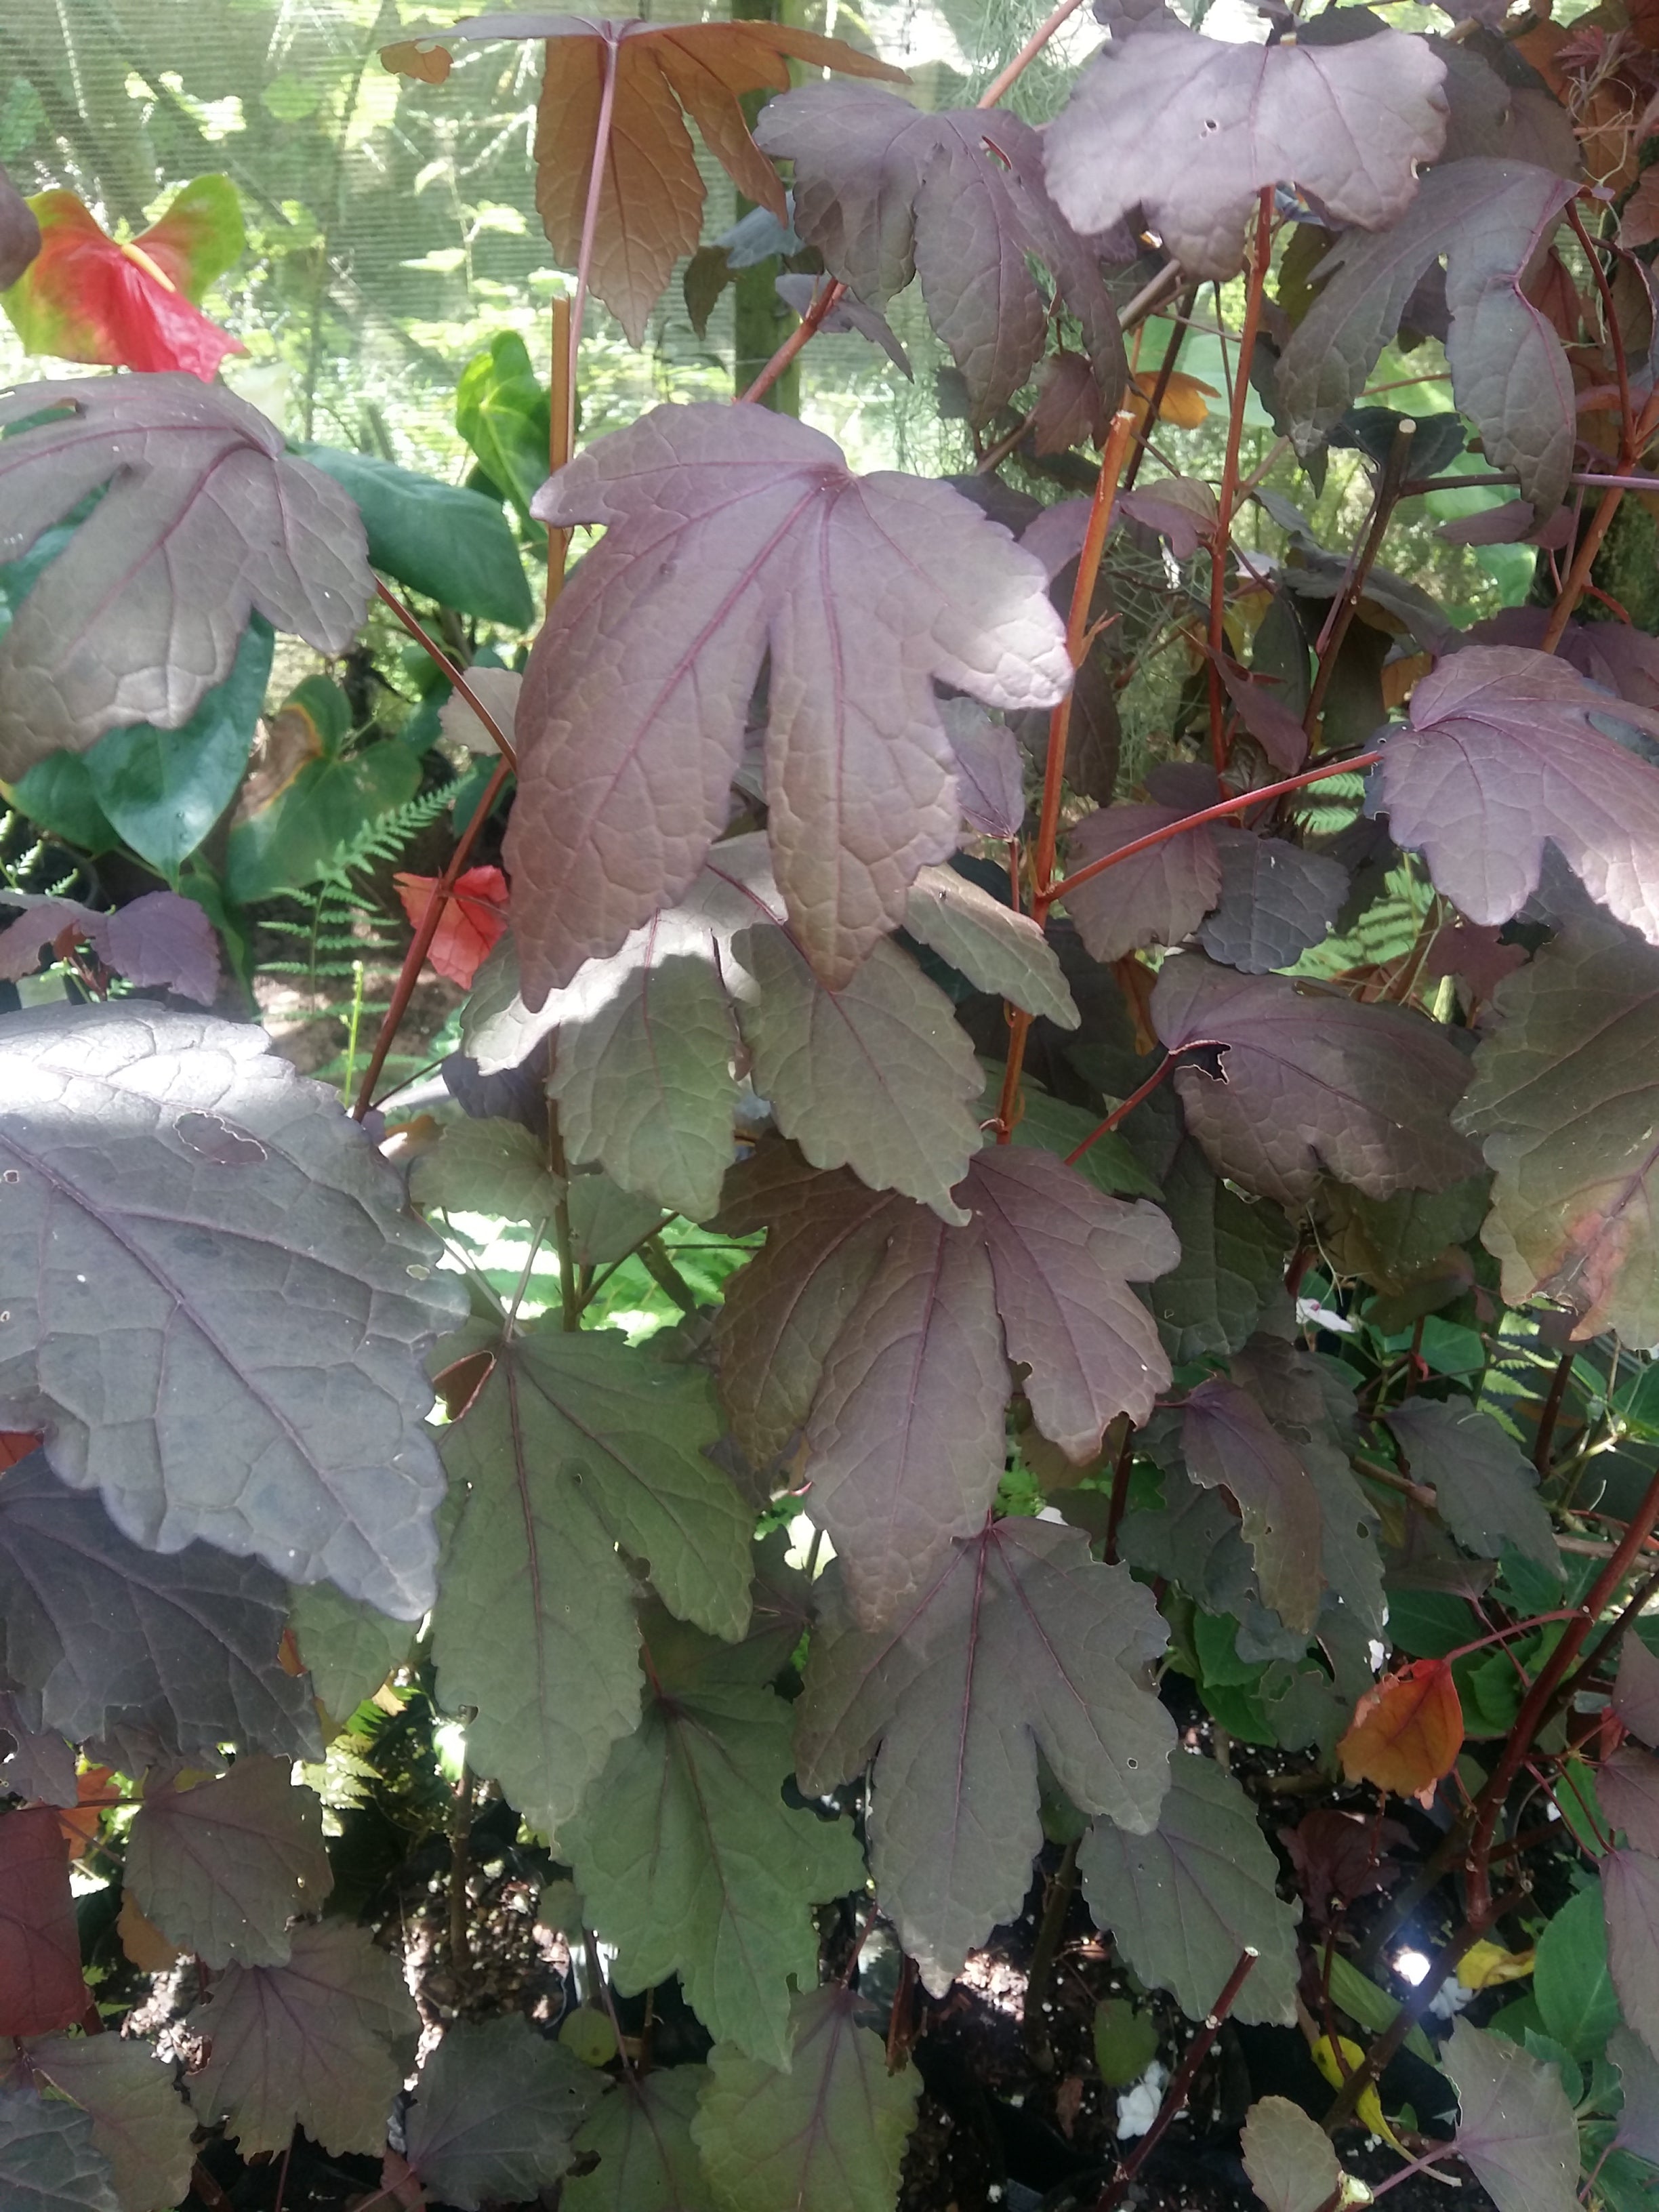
(217, 1299)
(48, 2161)
(1636, 1690)
(827, 2135)
(686, 1855)
(732, 534)
(1023, 1642)
(1311, 1080)
(1515, 2127)
(204, 520)
(495, 2108)
(220, 1868)
(1230, 1273)
(349, 1649)
(1563, 1104)
(642, 2134)
(1510, 373)
(886, 191)
(1627, 1785)
(1630, 1902)
(1182, 1902)
(1486, 1486)
(1502, 757)
(140, 2124)
(1228, 1442)
(309, 2044)
(1276, 902)
(1190, 130)
(995, 948)
(1157, 897)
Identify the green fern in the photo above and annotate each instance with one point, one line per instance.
(342, 929)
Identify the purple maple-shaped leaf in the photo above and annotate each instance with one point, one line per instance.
(1020, 1640)
(886, 192)
(847, 314)
(733, 533)
(1636, 1690)
(1311, 1082)
(1516, 2126)
(888, 1334)
(494, 2109)
(1190, 130)
(311, 2043)
(140, 2122)
(1262, 710)
(990, 775)
(159, 938)
(1276, 900)
(1155, 897)
(1228, 1442)
(205, 519)
(1630, 1903)
(1501, 757)
(187, 1642)
(222, 1869)
(1563, 1101)
(20, 233)
(1510, 372)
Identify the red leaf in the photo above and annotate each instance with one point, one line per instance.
(1406, 1732)
(40, 1983)
(15, 1444)
(472, 922)
(89, 297)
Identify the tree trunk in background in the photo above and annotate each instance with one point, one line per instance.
(761, 321)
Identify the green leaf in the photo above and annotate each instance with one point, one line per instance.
(688, 1858)
(1233, 1251)
(163, 790)
(221, 1869)
(641, 2134)
(503, 412)
(1055, 1127)
(1125, 2042)
(827, 2135)
(1486, 1486)
(293, 841)
(1576, 1997)
(486, 1166)
(348, 1648)
(1289, 2159)
(1360, 1998)
(575, 1443)
(1183, 1902)
(58, 796)
(494, 2112)
(988, 943)
(451, 544)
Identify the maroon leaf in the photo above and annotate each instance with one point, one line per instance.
(1630, 1902)
(1190, 130)
(1628, 1787)
(847, 314)
(41, 1984)
(1158, 898)
(1510, 373)
(1264, 714)
(1069, 410)
(904, 1436)
(1502, 757)
(1515, 2127)
(205, 519)
(220, 1870)
(1022, 1640)
(1564, 1100)
(20, 233)
(733, 531)
(990, 779)
(1229, 1442)
(886, 191)
(1276, 900)
(1636, 1690)
(159, 938)
(1311, 1082)
(1341, 1857)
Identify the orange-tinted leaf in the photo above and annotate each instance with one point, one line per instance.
(472, 922)
(1183, 400)
(142, 1940)
(1406, 1732)
(15, 1444)
(41, 1984)
(416, 58)
(651, 195)
(94, 1790)
(92, 298)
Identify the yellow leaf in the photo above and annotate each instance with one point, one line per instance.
(1368, 2110)
(1484, 1965)
(1182, 403)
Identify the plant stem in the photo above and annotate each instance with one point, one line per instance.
(1551, 1413)
(457, 682)
(1006, 79)
(1120, 1498)
(1229, 489)
(1590, 545)
(808, 327)
(1122, 1113)
(561, 438)
(409, 974)
(1347, 604)
(1519, 1741)
(1614, 1635)
(460, 1837)
(1154, 398)
(1044, 1951)
(1179, 2089)
(590, 227)
(1349, 766)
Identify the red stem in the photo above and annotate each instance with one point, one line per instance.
(810, 323)
(1241, 805)
(458, 681)
(1028, 53)
(1178, 2090)
(1122, 1113)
